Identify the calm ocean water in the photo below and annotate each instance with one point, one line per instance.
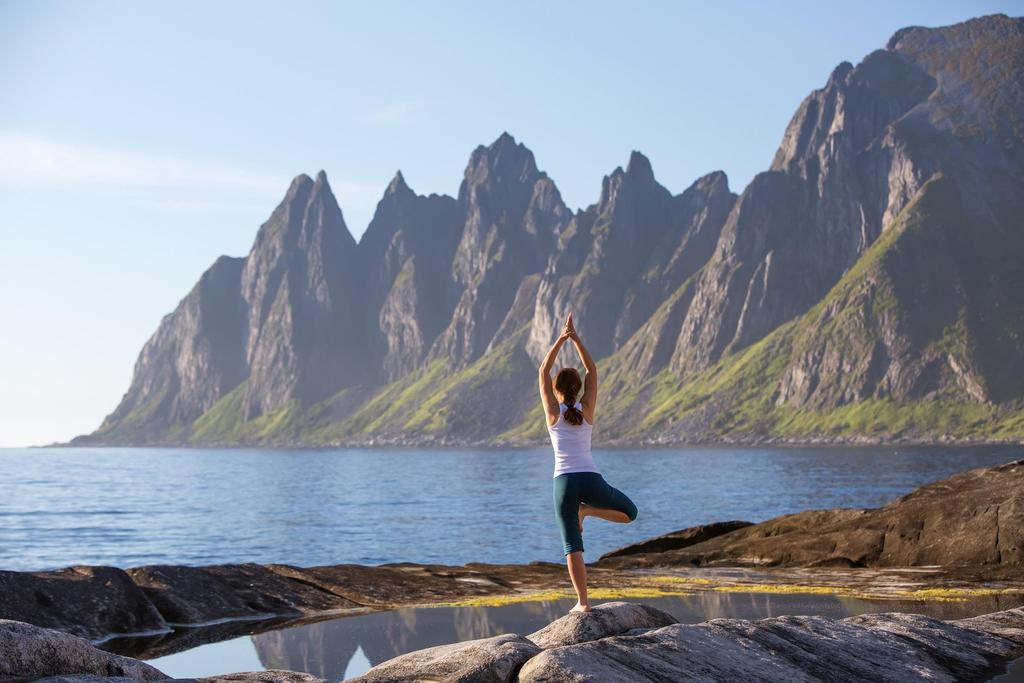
(129, 507)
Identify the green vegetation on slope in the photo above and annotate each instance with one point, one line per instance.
(740, 398)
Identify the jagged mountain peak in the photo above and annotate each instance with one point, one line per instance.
(714, 179)
(639, 167)
(988, 23)
(397, 185)
(637, 180)
(502, 162)
(839, 73)
(325, 213)
(300, 180)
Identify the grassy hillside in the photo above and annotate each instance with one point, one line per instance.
(741, 398)
(890, 353)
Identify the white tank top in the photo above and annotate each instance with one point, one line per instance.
(571, 444)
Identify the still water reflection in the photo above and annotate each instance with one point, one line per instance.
(342, 648)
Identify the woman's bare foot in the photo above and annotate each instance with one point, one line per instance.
(580, 608)
(582, 514)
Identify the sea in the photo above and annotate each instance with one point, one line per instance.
(128, 507)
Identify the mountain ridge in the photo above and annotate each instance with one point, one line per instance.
(714, 316)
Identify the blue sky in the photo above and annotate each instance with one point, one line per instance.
(139, 141)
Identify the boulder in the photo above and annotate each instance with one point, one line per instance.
(31, 652)
(92, 602)
(405, 583)
(197, 595)
(678, 539)
(487, 660)
(607, 619)
(972, 519)
(876, 647)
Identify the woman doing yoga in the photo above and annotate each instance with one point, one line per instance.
(579, 489)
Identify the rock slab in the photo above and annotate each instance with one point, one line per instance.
(487, 660)
(875, 647)
(92, 602)
(31, 652)
(975, 518)
(604, 620)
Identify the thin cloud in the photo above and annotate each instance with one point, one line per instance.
(31, 160)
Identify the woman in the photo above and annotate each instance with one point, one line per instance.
(579, 489)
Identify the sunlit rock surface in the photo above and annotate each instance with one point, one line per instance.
(491, 660)
(30, 652)
(607, 619)
(975, 519)
(877, 647)
(91, 602)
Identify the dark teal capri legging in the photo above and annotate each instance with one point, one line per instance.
(584, 487)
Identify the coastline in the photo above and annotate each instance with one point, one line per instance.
(457, 443)
(930, 548)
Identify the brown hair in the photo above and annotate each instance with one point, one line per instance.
(568, 382)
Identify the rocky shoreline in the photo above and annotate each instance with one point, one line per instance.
(616, 641)
(443, 441)
(957, 538)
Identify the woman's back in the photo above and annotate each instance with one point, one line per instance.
(571, 444)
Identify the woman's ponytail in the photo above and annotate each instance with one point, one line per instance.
(568, 382)
(573, 415)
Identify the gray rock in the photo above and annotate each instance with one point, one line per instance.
(974, 519)
(197, 595)
(512, 214)
(92, 602)
(877, 647)
(488, 660)
(607, 619)
(619, 259)
(677, 539)
(28, 651)
(406, 254)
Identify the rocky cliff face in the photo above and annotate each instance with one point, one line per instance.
(867, 285)
(406, 256)
(512, 213)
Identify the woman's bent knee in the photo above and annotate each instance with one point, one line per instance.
(631, 511)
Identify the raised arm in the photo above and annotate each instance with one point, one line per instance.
(547, 394)
(589, 399)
